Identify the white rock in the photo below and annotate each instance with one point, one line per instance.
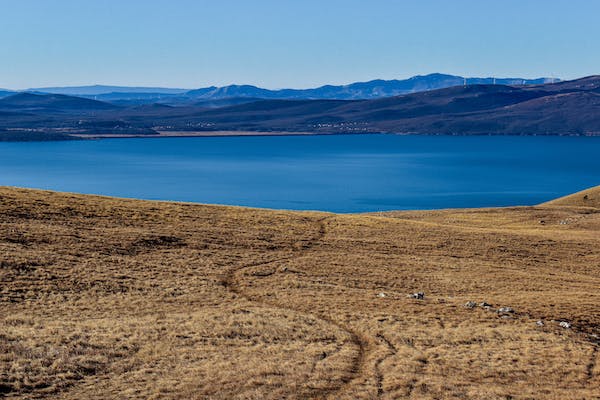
(470, 304)
(503, 310)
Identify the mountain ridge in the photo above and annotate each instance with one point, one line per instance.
(375, 88)
(562, 108)
(93, 90)
(25, 101)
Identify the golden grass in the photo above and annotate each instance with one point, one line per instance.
(585, 198)
(105, 298)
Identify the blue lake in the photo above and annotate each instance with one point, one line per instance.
(352, 173)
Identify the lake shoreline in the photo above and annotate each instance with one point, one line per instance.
(225, 133)
(338, 173)
(57, 137)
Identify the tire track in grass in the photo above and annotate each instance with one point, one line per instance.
(231, 281)
(391, 351)
(589, 370)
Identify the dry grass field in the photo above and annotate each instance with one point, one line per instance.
(104, 298)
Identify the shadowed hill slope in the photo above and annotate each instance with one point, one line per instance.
(565, 108)
(114, 298)
(52, 103)
(476, 109)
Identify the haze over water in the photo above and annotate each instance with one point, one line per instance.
(354, 173)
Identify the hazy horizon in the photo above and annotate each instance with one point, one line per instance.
(274, 44)
(150, 86)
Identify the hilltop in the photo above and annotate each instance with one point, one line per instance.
(95, 90)
(114, 298)
(585, 198)
(51, 103)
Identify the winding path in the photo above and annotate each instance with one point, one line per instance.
(231, 281)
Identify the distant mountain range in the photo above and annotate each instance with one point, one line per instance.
(563, 108)
(4, 93)
(29, 102)
(103, 89)
(360, 90)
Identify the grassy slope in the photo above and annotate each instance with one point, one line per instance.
(110, 298)
(585, 198)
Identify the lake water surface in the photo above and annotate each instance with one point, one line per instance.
(352, 173)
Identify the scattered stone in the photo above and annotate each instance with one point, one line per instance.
(483, 304)
(540, 323)
(381, 295)
(542, 222)
(506, 316)
(470, 304)
(565, 324)
(289, 270)
(418, 295)
(263, 274)
(505, 310)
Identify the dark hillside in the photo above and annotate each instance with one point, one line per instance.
(564, 108)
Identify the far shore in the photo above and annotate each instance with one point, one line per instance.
(61, 136)
(164, 134)
(182, 134)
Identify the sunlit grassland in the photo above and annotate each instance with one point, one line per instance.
(112, 298)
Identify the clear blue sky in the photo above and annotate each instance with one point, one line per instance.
(290, 43)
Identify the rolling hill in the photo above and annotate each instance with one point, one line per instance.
(563, 108)
(114, 298)
(585, 198)
(95, 90)
(5, 93)
(46, 103)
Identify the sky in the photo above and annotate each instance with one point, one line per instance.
(290, 43)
